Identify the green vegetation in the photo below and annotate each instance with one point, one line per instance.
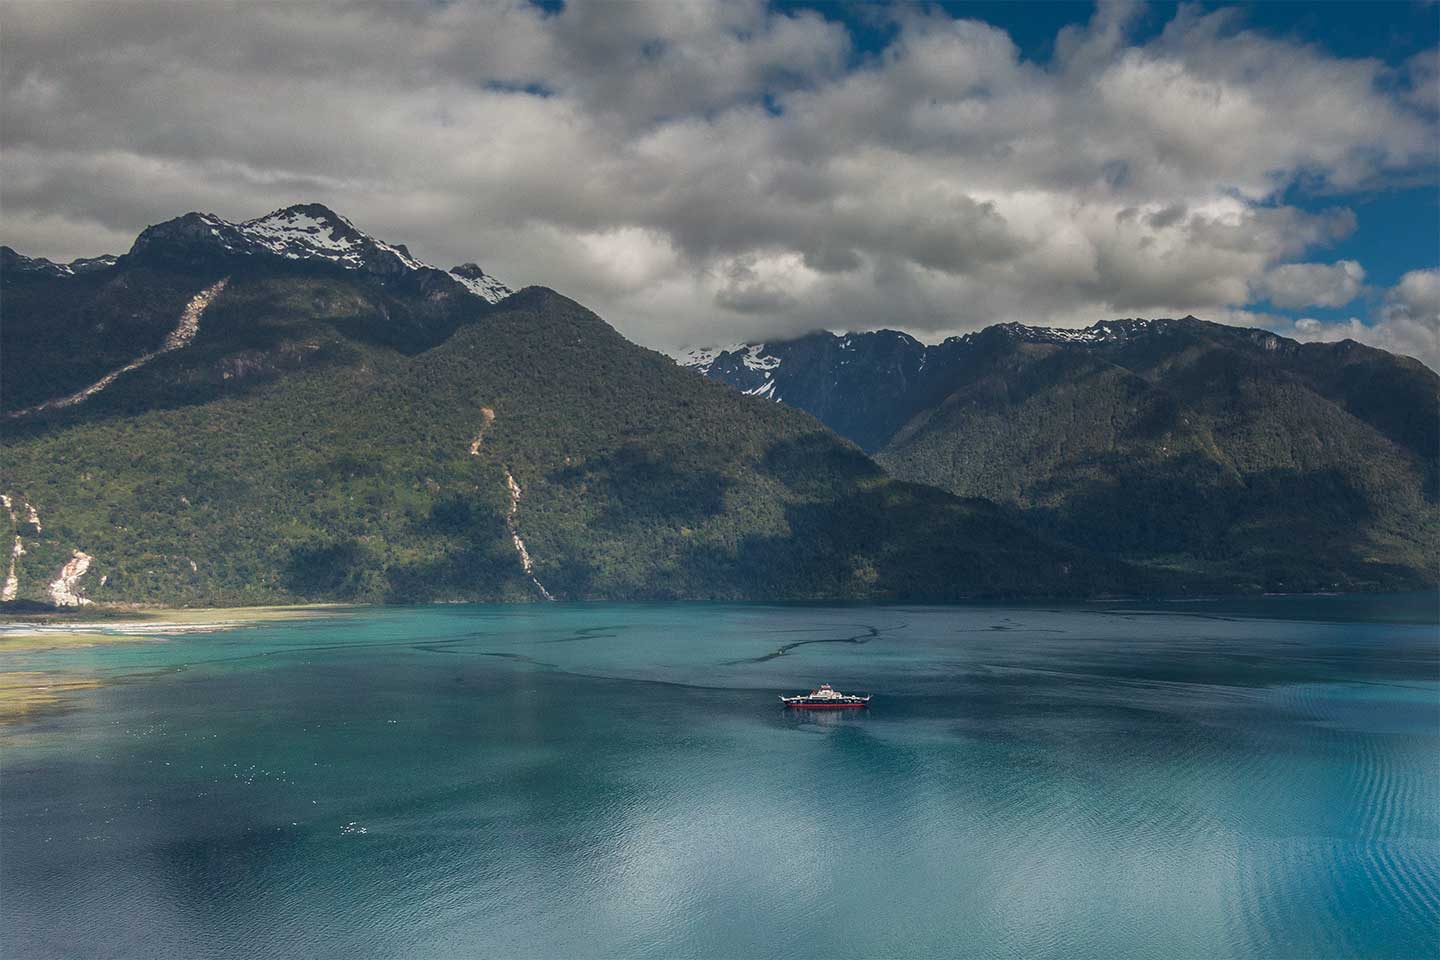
(314, 443)
(1207, 451)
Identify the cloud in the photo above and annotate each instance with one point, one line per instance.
(1312, 284)
(1407, 321)
(707, 172)
(1417, 294)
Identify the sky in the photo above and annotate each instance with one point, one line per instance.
(701, 173)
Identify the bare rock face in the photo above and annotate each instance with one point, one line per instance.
(64, 589)
(12, 582)
(487, 417)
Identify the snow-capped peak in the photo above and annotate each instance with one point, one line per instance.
(701, 358)
(480, 283)
(18, 263)
(305, 232)
(315, 232)
(1105, 331)
(751, 355)
(755, 358)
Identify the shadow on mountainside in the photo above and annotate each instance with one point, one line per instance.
(636, 485)
(908, 542)
(265, 324)
(851, 531)
(1278, 529)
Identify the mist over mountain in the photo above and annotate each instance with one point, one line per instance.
(1175, 444)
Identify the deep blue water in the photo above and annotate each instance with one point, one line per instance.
(1207, 780)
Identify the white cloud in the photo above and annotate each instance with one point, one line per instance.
(1407, 321)
(1312, 284)
(1417, 294)
(715, 171)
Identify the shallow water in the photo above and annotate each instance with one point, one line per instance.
(618, 780)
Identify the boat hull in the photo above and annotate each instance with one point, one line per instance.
(826, 706)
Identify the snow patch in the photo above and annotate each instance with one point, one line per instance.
(755, 358)
(751, 355)
(307, 233)
(480, 283)
(1106, 331)
(701, 358)
(765, 389)
(310, 233)
(23, 264)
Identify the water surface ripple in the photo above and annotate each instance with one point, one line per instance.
(1247, 780)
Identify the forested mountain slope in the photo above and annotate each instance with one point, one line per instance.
(360, 426)
(1217, 452)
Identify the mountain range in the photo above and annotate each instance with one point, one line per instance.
(287, 409)
(1213, 453)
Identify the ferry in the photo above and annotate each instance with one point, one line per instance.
(826, 698)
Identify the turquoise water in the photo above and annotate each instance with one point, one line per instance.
(1196, 780)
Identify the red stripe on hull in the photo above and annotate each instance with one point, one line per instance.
(826, 706)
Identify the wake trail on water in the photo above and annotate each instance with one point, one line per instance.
(870, 633)
(588, 633)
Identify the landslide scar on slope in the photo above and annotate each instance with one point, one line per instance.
(184, 332)
(487, 418)
(12, 583)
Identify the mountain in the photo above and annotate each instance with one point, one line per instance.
(1228, 454)
(12, 262)
(862, 386)
(305, 234)
(288, 409)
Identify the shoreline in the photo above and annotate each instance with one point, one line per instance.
(32, 629)
(98, 613)
(35, 629)
(29, 690)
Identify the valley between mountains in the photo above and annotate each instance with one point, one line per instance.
(1216, 453)
(289, 410)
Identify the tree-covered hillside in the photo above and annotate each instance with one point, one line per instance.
(1190, 448)
(329, 435)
